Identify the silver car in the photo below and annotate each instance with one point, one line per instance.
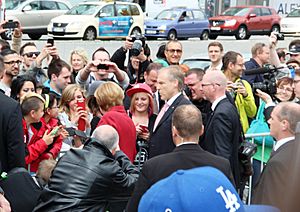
(34, 15)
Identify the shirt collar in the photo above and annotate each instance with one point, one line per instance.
(215, 103)
(188, 142)
(218, 67)
(170, 101)
(283, 141)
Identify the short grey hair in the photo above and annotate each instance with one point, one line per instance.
(174, 73)
(107, 135)
(289, 111)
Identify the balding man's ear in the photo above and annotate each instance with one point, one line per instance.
(202, 130)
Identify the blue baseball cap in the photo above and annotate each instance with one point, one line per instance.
(199, 189)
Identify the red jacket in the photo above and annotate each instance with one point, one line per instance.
(37, 149)
(118, 119)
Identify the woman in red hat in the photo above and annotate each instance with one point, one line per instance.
(141, 113)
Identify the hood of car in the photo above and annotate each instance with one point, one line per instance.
(290, 20)
(159, 22)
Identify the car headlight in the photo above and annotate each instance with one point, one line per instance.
(230, 22)
(162, 27)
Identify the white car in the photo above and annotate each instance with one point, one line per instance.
(91, 20)
(34, 15)
(290, 25)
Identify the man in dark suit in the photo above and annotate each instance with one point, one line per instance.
(223, 128)
(169, 86)
(281, 174)
(12, 149)
(186, 129)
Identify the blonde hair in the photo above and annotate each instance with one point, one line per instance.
(80, 52)
(68, 95)
(109, 94)
(150, 106)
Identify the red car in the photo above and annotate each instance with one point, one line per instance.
(244, 21)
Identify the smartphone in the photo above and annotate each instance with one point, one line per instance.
(54, 131)
(102, 66)
(81, 121)
(50, 41)
(10, 25)
(144, 128)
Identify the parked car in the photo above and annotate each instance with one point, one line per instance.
(290, 25)
(244, 21)
(91, 20)
(178, 22)
(34, 15)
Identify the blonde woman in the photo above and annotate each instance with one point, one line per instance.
(78, 60)
(71, 112)
(109, 97)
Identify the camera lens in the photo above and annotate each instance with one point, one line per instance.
(136, 47)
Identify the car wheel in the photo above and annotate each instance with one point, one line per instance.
(135, 31)
(90, 34)
(242, 33)
(204, 35)
(34, 36)
(8, 34)
(172, 35)
(212, 37)
(275, 28)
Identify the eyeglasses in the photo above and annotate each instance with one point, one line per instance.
(290, 90)
(207, 84)
(13, 62)
(179, 51)
(30, 54)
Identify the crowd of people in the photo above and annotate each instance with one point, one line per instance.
(102, 135)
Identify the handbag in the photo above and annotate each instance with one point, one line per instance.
(259, 125)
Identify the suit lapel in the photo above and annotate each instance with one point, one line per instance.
(169, 111)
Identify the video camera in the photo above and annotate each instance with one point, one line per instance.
(139, 42)
(269, 83)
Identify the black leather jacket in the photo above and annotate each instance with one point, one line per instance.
(88, 179)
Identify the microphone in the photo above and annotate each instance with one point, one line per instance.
(257, 71)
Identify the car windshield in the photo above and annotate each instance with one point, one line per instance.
(84, 9)
(168, 15)
(13, 4)
(294, 13)
(236, 11)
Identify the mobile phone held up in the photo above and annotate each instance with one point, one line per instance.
(102, 66)
(81, 121)
(10, 25)
(144, 128)
(50, 41)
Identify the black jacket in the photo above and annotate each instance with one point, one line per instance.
(161, 140)
(88, 179)
(186, 156)
(222, 135)
(119, 58)
(12, 148)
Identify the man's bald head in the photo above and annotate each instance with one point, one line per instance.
(214, 85)
(217, 77)
(107, 135)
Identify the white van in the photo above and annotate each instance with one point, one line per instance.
(91, 20)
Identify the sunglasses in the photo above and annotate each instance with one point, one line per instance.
(30, 54)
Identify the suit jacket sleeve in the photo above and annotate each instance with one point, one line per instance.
(265, 192)
(142, 185)
(223, 135)
(15, 140)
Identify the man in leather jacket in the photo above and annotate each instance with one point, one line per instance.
(95, 178)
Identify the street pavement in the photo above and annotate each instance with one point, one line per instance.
(191, 47)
